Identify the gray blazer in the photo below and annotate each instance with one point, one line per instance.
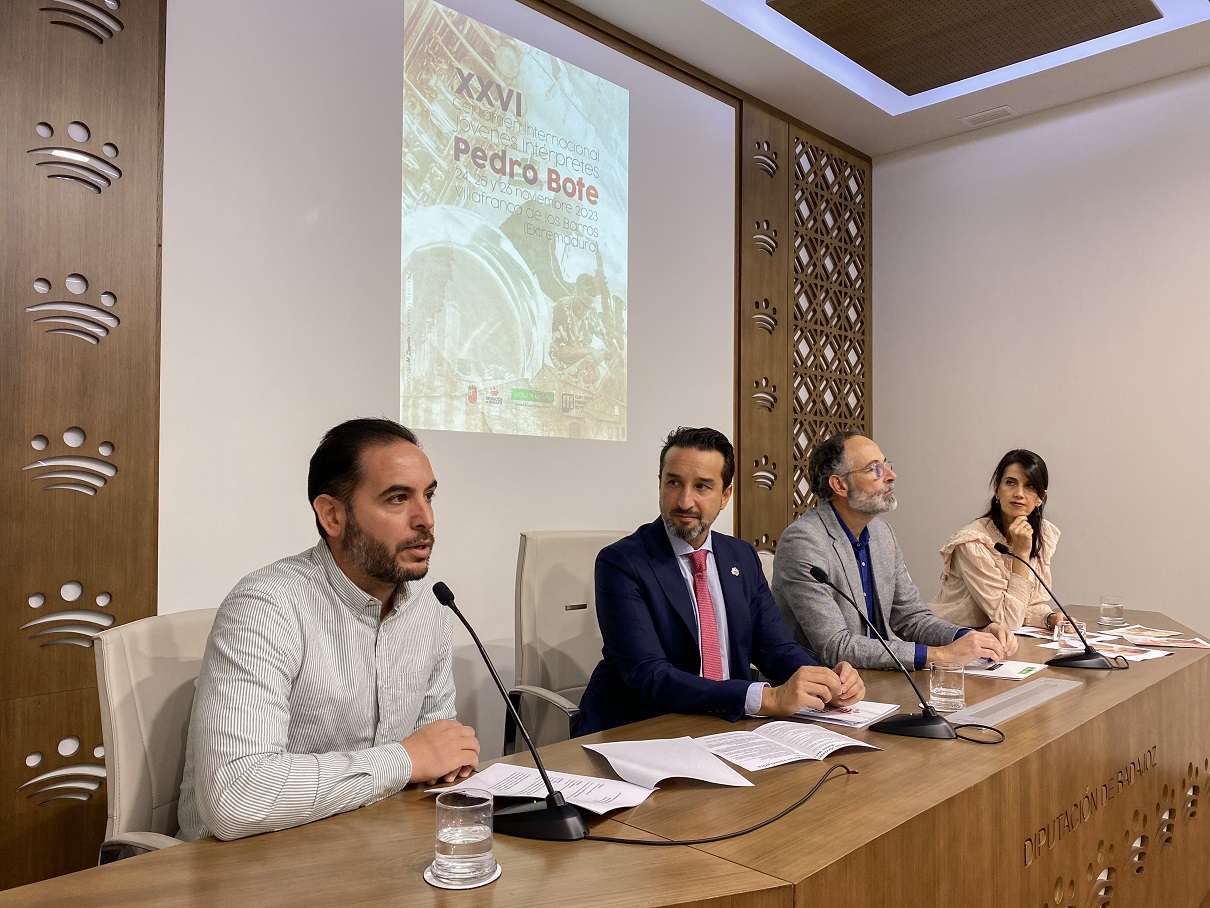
(832, 629)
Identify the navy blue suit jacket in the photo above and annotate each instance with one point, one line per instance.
(651, 659)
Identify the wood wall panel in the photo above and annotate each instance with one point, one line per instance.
(46, 831)
(75, 561)
(763, 328)
(803, 317)
(916, 47)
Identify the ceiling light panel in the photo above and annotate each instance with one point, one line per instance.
(942, 49)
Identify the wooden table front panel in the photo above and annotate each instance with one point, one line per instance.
(949, 822)
(1106, 814)
(376, 856)
(923, 822)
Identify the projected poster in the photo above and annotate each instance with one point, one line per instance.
(514, 240)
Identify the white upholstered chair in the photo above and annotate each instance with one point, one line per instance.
(766, 565)
(146, 671)
(558, 642)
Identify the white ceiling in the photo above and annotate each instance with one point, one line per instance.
(702, 36)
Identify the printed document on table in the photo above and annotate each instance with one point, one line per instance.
(1007, 670)
(598, 795)
(1093, 636)
(777, 743)
(1130, 653)
(1098, 636)
(1194, 642)
(1039, 632)
(859, 715)
(646, 763)
(1140, 630)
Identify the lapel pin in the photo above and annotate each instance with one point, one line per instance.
(735, 572)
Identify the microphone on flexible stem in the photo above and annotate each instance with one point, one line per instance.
(1090, 658)
(552, 818)
(927, 724)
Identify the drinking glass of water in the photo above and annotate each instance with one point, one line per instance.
(1067, 635)
(947, 686)
(463, 853)
(1111, 612)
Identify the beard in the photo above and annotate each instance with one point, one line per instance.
(872, 503)
(690, 532)
(375, 559)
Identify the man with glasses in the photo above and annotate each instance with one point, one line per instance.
(845, 536)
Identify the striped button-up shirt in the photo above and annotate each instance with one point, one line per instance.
(304, 695)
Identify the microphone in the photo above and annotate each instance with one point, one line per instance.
(927, 724)
(552, 818)
(1090, 658)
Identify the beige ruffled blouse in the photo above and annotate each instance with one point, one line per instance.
(978, 586)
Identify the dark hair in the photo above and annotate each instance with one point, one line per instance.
(704, 439)
(826, 461)
(336, 464)
(1036, 473)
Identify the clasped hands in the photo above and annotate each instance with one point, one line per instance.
(816, 687)
(994, 642)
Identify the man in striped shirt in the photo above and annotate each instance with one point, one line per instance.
(327, 680)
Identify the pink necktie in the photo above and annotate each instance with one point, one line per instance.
(712, 656)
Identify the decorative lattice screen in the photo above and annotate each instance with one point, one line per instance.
(830, 343)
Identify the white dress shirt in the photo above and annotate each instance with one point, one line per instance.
(683, 550)
(304, 695)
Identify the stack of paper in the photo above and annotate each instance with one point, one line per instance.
(859, 715)
(1007, 670)
(1194, 642)
(1040, 632)
(597, 795)
(647, 762)
(1140, 630)
(778, 743)
(1130, 653)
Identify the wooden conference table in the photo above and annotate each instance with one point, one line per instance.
(1093, 799)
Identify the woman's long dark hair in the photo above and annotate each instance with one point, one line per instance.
(1035, 471)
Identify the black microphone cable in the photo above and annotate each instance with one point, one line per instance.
(973, 739)
(819, 575)
(731, 835)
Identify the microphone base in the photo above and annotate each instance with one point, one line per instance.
(540, 820)
(916, 725)
(1090, 658)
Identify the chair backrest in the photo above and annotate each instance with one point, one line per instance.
(146, 671)
(766, 565)
(557, 638)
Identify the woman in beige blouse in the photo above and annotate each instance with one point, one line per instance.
(978, 584)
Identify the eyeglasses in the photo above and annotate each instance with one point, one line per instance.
(878, 468)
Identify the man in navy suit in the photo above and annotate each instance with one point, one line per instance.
(684, 611)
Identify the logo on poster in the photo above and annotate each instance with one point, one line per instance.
(472, 394)
(570, 402)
